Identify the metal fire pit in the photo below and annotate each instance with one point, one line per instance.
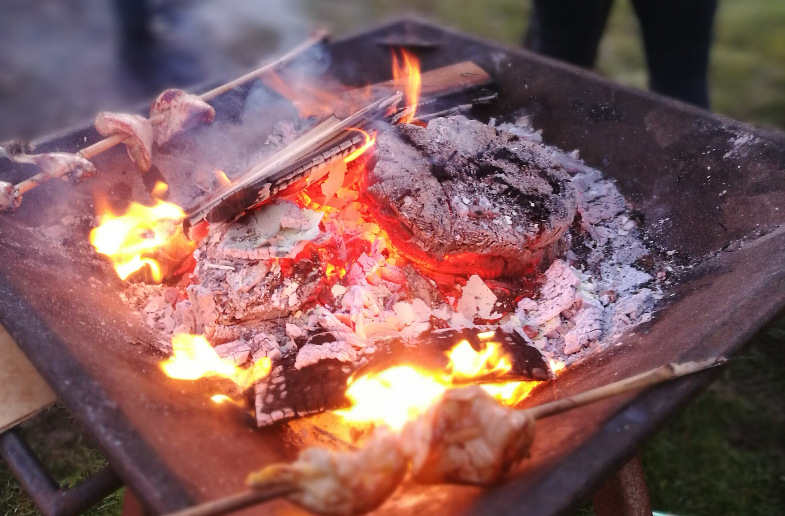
(702, 183)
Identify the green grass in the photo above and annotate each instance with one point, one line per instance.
(66, 453)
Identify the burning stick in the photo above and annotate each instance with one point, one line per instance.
(441, 89)
(58, 164)
(465, 438)
(291, 163)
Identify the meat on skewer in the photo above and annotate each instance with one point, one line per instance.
(340, 483)
(175, 111)
(8, 200)
(467, 437)
(52, 164)
(137, 132)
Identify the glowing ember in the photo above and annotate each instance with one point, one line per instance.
(193, 358)
(408, 68)
(142, 236)
(556, 366)
(402, 393)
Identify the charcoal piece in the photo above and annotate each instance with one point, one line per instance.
(432, 347)
(459, 195)
(291, 392)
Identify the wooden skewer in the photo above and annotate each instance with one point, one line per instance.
(97, 148)
(236, 501)
(647, 379)
(107, 143)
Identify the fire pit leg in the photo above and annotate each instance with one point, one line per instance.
(131, 504)
(625, 493)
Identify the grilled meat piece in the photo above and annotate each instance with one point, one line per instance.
(340, 483)
(138, 131)
(175, 111)
(467, 437)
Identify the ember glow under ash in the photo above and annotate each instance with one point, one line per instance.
(320, 296)
(143, 236)
(402, 393)
(193, 357)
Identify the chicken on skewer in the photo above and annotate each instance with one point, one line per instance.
(340, 483)
(466, 437)
(173, 112)
(137, 132)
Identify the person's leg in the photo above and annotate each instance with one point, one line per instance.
(677, 35)
(569, 30)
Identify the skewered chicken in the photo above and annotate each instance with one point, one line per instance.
(175, 111)
(59, 164)
(137, 130)
(340, 483)
(467, 437)
(8, 200)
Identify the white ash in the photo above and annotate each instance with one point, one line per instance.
(277, 230)
(249, 307)
(596, 293)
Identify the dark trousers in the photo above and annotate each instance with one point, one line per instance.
(676, 34)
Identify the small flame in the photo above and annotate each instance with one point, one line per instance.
(556, 366)
(408, 69)
(193, 358)
(142, 236)
(222, 178)
(465, 362)
(221, 398)
(391, 397)
(401, 393)
(370, 139)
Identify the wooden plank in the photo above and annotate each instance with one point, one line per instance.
(22, 390)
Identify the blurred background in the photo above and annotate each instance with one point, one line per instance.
(63, 61)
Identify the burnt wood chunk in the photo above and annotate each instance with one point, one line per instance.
(310, 373)
(460, 195)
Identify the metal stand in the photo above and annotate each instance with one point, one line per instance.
(49, 498)
(625, 493)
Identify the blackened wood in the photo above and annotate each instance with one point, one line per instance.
(459, 195)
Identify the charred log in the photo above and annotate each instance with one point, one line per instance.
(461, 195)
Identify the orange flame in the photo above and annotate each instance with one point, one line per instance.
(141, 236)
(370, 139)
(401, 393)
(222, 178)
(193, 358)
(408, 69)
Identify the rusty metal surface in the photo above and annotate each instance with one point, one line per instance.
(625, 493)
(173, 447)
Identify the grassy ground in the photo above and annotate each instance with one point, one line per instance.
(725, 454)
